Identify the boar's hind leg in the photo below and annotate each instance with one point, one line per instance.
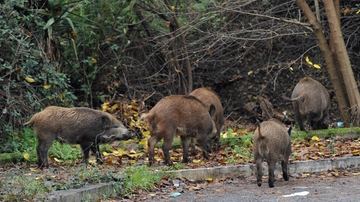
(271, 164)
(285, 170)
(259, 171)
(168, 139)
(42, 151)
(151, 145)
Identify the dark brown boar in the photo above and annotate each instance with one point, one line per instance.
(181, 115)
(311, 102)
(209, 97)
(78, 125)
(271, 143)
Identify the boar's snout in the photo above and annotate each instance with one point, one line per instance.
(116, 133)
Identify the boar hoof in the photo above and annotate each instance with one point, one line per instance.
(99, 161)
(169, 163)
(259, 183)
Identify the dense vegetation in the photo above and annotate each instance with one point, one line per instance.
(86, 53)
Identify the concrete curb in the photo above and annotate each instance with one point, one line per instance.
(247, 170)
(96, 192)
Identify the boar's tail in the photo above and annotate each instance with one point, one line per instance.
(31, 121)
(258, 126)
(300, 97)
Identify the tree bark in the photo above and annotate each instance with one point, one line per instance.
(344, 61)
(329, 60)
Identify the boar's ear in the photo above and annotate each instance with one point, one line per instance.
(212, 110)
(105, 121)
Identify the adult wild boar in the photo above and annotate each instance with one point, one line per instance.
(209, 97)
(181, 115)
(78, 125)
(271, 143)
(311, 102)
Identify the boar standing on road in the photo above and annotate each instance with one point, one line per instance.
(311, 102)
(271, 143)
(78, 125)
(181, 115)
(209, 97)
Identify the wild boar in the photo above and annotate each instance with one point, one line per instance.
(311, 102)
(181, 115)
(78, 125)
(271, 143)
(209, 97)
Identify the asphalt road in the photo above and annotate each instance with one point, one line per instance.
(316, 188)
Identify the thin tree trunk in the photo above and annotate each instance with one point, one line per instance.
(329, 59)
(344, 61)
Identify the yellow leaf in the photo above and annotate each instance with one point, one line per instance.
(317, 66)
(146, 133)
(105, 106)
(250, 72)
(93, 60)
(315, 138)
(58, 160)
(209, 179)
(62, 96)
(105, 153)
(26, 156)
(308, 60)
(33, 169)
(152, 194)
(224, 135)
(132, 152)
(196, 161)
(291, 69)
(47, 86)
(346, 10)
(172, 8)
(357, 12)
(114, 107)
(29, 80)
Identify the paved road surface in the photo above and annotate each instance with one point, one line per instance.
(319, 188)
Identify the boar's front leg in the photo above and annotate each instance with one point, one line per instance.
(192, 146)
(185, 147)
(96, 150)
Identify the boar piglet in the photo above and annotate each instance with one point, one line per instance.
(78, 125)
(271, 143)
(209, 97)
(181, 115)
(311, 102)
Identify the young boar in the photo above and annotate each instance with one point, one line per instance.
(311, 102)
(271, 143)
(78, 125)
(181, 115)
(209, 97)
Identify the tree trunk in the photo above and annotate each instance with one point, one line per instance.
(344, 61)
(329, 60)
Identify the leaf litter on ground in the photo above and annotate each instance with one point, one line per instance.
(235, 145)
